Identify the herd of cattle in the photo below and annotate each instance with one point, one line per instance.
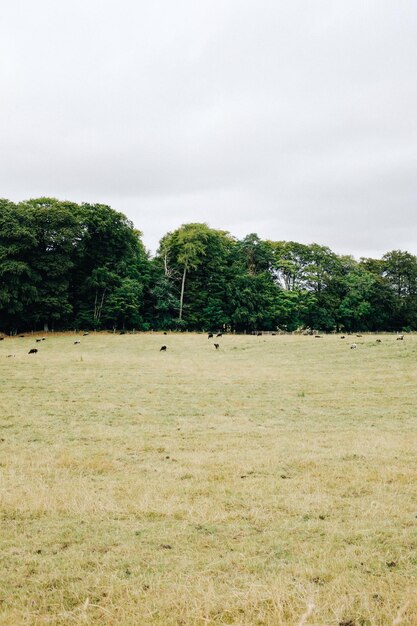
(163, 348)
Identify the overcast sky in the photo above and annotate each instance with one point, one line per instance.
(295, 119)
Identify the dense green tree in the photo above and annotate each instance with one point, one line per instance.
(314, 273)
(289, 262)
(124, 305)
(381, 297)
(195, 261)
(109, 254)
(18, 281)
(254, 255)
(400, 270)
(67, 265)
(162, 303)
(57, 232)
(184, 250)
(253, 294)
(62, 264)
(355, 306)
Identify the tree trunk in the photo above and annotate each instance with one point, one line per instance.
(166, 270)
(95, 307)
(101, 304)
(182, 291)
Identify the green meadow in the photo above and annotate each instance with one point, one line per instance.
(269, 482)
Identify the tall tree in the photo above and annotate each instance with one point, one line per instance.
(253, 294)
(57, 232)
(110, 251)
(400, 269)
(194, 258)
(289, 262)
(18, 280)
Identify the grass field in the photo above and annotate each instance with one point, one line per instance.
(270, 482)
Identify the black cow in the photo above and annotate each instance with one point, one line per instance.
(33, 351)
(216, 345)
(163, 349)
(219, 335)
(210, 335)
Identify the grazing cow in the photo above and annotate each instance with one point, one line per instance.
(342, 337)
(400, 338)
(165, 333)
(10, 355)
(378, 340)
(21, 336)
(259, 334)
(210, 335)
(1, 338)
(122, 332)
(359, 335)
(353, 346)
(163, 349)
(85, 334)
(77, 342)
(33, 351)
(273, 334)
(219, 335)
(317, 336)
(216, 345)
(38, 340)
(43, 338)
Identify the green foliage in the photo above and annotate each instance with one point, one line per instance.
(400, 270)
(195, 262)
(18, 281)
(64, 265)
(162, 302)
(109, 254)
(355, 306)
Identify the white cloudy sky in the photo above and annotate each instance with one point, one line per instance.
(295, 119)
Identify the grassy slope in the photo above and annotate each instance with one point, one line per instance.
(237, 486)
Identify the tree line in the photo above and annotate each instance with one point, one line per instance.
(65, 265)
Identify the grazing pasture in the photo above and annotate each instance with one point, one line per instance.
(270, 482)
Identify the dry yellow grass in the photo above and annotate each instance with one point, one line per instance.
(270, 482)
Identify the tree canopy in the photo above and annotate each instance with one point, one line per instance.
(66, 265)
